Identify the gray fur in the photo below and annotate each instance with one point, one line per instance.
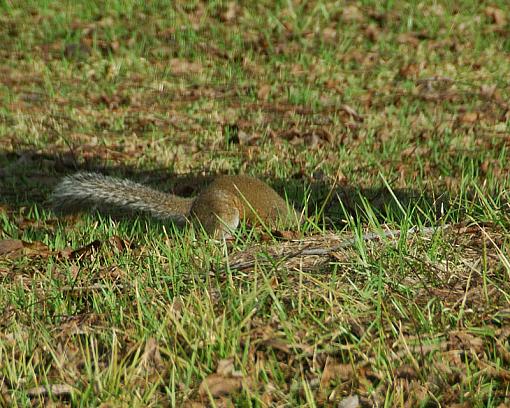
(94, 191)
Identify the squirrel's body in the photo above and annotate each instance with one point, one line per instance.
(218, 208)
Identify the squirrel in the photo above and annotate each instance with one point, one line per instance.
(219, 208)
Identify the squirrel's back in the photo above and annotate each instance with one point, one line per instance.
(85, 191)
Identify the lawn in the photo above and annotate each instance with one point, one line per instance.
(386, 124)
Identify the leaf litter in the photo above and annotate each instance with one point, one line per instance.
(343, 360)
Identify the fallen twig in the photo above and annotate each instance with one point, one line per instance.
(321, 251)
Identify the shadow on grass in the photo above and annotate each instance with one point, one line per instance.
(27, 178)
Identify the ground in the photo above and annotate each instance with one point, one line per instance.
(381, 120)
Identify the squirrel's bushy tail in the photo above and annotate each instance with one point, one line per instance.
(94, 191)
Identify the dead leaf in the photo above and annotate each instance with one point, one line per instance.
(312, 139)
(468, 118)
(114, 101)
(263, 92)
(151, 361)
(351, 401)
(409, 71)
(118, 243)
(175, 308)
(373, 33)
(267, 397)
(409, 39)
(297, 70)
(488, 91)
(248, 139)
(86, 250)
(352, 14)
(277, 344)
(10, 245)
(232, 12)
(65, 253)
(460, 340)
(273, 283)
(217, 385)
(225, 367)
(14, 248)
(330, 34)
(286, 235)
(76, 325)
(493, 371)
(496, 15)
(352, 112)
(224, 381)
(335, 85)
(53, 389)
(406, 371)
(181, 66)
(77, 51)
(5, 399)
(333, 370)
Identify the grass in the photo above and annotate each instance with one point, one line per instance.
(368, 115)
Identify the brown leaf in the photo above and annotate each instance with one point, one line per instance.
(273, 282)
(406, 371)
(352, 401)
(65, 253)
(232, 12)
(224, 382)
(77, 51)
(373, 33)
(53, 389)
(333, 370)
(277, 344)
(181, 66)
(298, 70)
(118, 243)
(75, 325)
(151, 360)
(263, 92)
(352, 14)
(217, 385)
(247, 138)
(497, 16)
(5, 399)
(10, 245)
(226, 367)
(14, 248)
(408, 38)
(86, 250)
(330, 34)
(193, 404)
(493, 371)
(468, 118)
(351, 112)
(366, 99)
(409, 71)
(175, 308)
(267, 397)
(286, 235)
(460, 340)
(334, 84)
(313, 138)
